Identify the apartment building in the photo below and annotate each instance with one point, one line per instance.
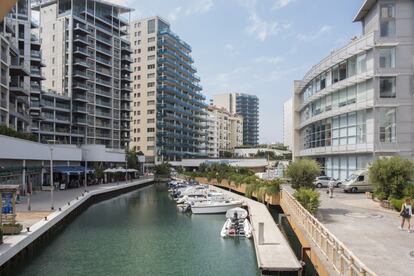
(288, 123)
(168, 106)
(88, 61)
(248, 107)
(224, 131)
(20, 67)
(357, 103)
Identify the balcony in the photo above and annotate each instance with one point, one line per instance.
(79, 109)
(80, 51)
(79, 85)
(80, 97)
(36, 54)
(78, 120)
(103, 103)
(104, 40)
(17, 67)
(80, 74)
(104, 61)
(80, 39)
(99, 113)
(104, 82)
(126, 58)
(81, 28)
(17, 87)
(104, 93)
(80, 62)
(104, 50)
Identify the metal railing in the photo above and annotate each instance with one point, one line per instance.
(338, 255)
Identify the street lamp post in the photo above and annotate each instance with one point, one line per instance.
(52, 187)
(86, 171)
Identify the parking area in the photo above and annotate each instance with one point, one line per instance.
(368, 230)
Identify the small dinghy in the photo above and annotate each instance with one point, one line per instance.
(236, 224)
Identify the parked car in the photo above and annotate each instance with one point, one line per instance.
(323, 181)
(358, 182)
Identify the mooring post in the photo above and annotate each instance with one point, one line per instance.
(261, 233)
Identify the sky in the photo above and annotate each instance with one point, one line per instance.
(256, 46)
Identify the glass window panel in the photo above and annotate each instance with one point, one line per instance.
(352, 66)
(361, 63)
(387, 125)
(352, 91)
(386, 57)
(352, 131)
(342, 97)
(387, 87)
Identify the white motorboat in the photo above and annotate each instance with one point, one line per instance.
(214, 207)
(236, 224)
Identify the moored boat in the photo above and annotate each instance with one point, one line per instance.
(236, 224)
(214, 207)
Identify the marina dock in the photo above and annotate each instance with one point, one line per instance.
(273, 251)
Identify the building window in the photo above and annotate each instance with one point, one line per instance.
(151, 75)
(150, 138)
(386, 57)
(150, 93)
(387, 20)
(151, 66)
(151, 39)
(387, 125)
(151, 57)
(151, 48)
(361, 63)
(150, 129)
(151, 102)
(387, 87)
(150, 121)
(151, 26)
(150, 111)
(151, 84)
(150, 147)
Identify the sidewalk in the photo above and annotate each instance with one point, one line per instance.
(41, 202)
(369, 231)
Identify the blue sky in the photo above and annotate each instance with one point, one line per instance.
(256, 46)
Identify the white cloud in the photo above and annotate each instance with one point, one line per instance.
(309, 37)
(195, 7)
(261, 28)
(173, 15)
(268, 60)
(281, 4)
(229, 47)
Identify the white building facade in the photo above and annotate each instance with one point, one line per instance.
(224, 131)
(357, 103)
(288, 123)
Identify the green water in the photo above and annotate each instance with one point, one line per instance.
(141, 233)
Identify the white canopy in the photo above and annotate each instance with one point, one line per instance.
(241, 213)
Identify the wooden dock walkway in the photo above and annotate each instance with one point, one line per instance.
(273, 251)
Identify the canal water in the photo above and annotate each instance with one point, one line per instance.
(141, 233)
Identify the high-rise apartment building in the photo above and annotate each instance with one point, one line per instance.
(87, 53)
(357, 104)
(168, 107)
(248, 107)
(288, 123)
(20, 67)
(224, 131)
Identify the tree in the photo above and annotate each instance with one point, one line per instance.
(391, 176)
(308, 198)
(131, 156)
(303, 172)
(162, 169)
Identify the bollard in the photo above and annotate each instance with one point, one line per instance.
(60, 209)
(76, 198)
(261, 233)
(28, 229)
(45, 218)
(68, 203)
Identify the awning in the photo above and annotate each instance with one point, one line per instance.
(71, 169)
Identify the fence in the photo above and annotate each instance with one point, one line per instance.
(337, 254)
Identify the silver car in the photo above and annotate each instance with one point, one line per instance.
(323, 181)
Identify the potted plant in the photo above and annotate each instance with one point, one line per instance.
(12, 228)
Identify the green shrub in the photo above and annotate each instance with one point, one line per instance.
(397, 203)
(391, 176)
(303, 172)
(162, 169)
(4, 130)
(308, 198)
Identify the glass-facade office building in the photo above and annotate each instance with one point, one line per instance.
(356, 105)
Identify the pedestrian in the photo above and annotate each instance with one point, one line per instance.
(406, 213)
(331, 186)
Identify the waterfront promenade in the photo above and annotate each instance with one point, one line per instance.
(65, 200)
(274, 253)
(369, 231)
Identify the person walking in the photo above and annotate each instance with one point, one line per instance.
(331, 186)
(406, 213)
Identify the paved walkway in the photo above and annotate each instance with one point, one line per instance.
(369, 231)
(40, 202)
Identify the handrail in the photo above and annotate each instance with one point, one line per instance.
(338, 255)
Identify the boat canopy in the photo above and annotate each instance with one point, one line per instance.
(241, 213)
